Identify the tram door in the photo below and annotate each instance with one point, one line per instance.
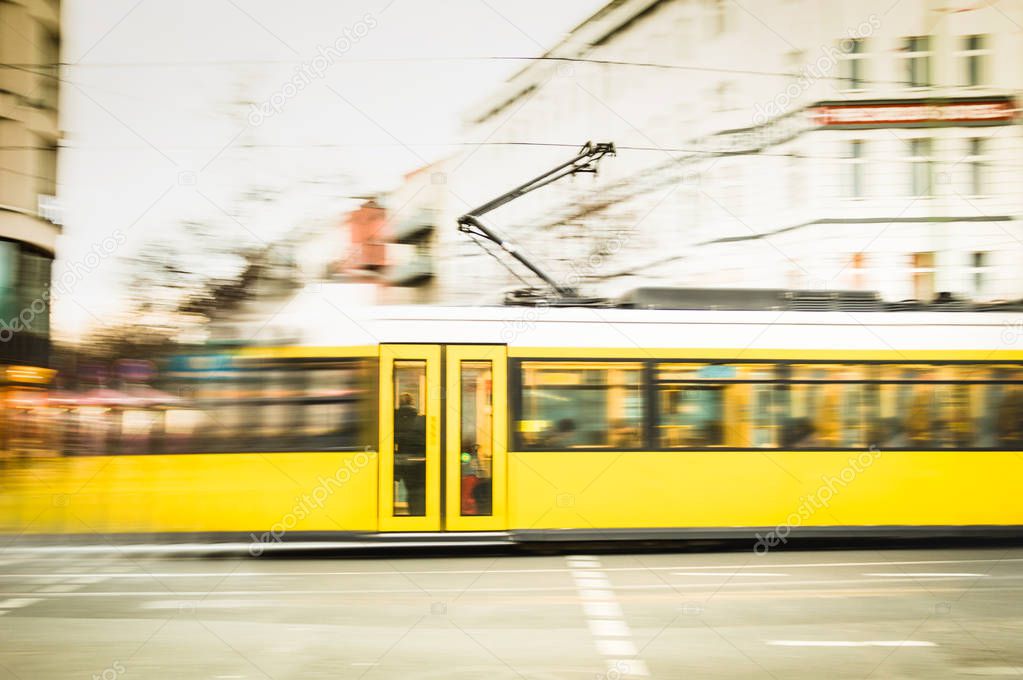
(443, 434)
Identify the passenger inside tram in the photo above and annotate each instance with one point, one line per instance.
(410, 454)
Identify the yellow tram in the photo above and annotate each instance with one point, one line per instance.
(517, 424)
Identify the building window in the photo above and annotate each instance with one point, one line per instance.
(856, 172)
(49, 72)
(728, 189)
(795, 60)
(916, 51)
(719, 8)
(973, 60)
(976, 161)
(858, 264)
(46, 168)
(8, 281)
(724, 94)
(796, 181)
(979, 269)
(854, 65)
(921, 165)
(922, 274)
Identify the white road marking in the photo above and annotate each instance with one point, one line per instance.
(16, 602)
(851, 643)
(52, 578)
(593, 583)
(207, 604)
(609, 628)
(591, 594)
(87, 579)
(58, 588)
(607, 610)
(611, 634)
(725, 574)
(589, 575)
(615, 648)
(925, 574)
(627, 667)
(583, 561)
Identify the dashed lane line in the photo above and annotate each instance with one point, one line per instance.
(611, 634)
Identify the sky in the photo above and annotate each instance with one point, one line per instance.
(178, 111)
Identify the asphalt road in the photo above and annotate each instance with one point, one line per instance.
(883, 614)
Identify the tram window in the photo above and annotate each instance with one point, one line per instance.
(328, 382)
(998, 409)
(994, 372)
(824, 415)
(477, 438)
(271, 414)
(581, 405)
(836, 406)
(320, 421)
(833, 408)
(765, 415)
(958, 427)
(1005, 424)
(691, 415)
(924, 415)
(714, 411)
(274, 406)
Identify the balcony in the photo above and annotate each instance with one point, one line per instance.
(414, 229)
(415, 272)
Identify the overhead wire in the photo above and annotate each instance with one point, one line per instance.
(425, 59)
(329, 146)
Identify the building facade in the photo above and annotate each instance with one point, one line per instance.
(809, 144)
(29, 217)
(29, 89)
(418, 248)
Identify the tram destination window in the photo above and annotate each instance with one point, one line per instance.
(581, 405)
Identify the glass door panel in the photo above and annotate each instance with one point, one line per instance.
(410, 406)
(476, 446)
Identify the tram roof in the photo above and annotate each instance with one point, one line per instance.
(641, 330)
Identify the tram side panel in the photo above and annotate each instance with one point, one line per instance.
(886, 441)
(773, 490)
(261, 447)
